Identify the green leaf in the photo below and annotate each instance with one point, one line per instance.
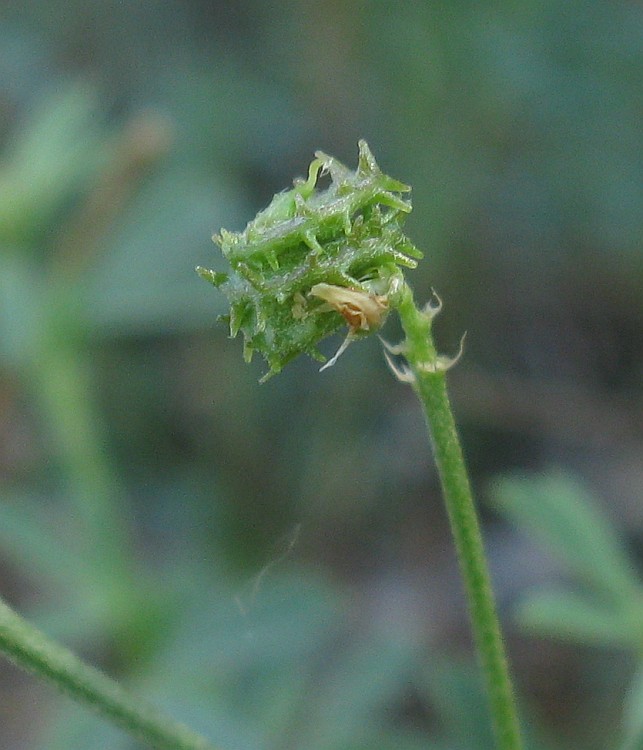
(581, 618)
(354, 696)
(47, 160)
(556, 510)
(144, 282)
(457, 693)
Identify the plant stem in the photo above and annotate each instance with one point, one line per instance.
(34, 651)
(429, 382)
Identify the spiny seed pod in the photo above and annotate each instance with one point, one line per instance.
(315, 259)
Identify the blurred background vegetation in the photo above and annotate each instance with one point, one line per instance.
(272, 563)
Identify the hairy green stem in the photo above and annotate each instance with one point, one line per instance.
(34, 651)
(429, 382)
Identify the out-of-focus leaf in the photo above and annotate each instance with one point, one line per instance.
(80, 603)
(557, 511)
(146, 280)
(47, 159)
(242, 659)
(21, 294)
(266, 666)
(457, 693)
(397, 740)
(275, 662)
(354, 695)
(585, 619)
(29, 542)
(72, 727)
(633, 714)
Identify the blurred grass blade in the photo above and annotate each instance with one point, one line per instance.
(584, 619)
(46, 160)
(556, 510)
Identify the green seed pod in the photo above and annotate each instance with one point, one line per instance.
(310, 241)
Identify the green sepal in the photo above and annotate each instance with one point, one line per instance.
(216, 278)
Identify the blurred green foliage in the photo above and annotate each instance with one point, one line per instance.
(606, 605)
(146, 478)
